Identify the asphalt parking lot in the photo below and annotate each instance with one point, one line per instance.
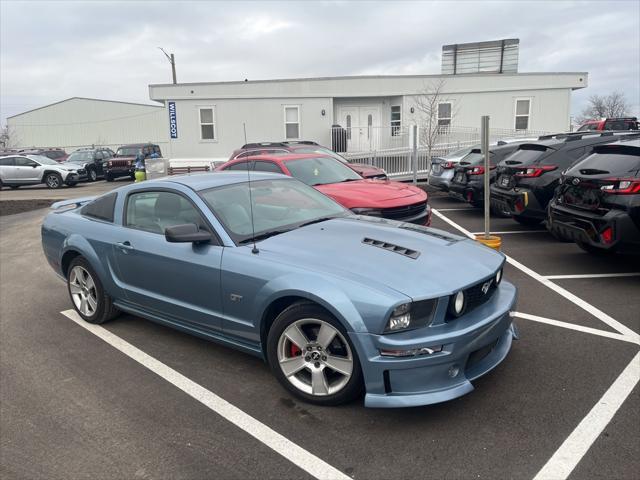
(78, 402)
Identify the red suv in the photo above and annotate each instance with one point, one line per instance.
(627, 123)
(385, 199)
(306, 146)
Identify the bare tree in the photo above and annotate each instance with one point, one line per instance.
(8, 138)
(430, 121)
(605, 106)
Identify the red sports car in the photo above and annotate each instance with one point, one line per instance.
(378, 198)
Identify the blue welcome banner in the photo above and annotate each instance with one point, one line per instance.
(173, 120)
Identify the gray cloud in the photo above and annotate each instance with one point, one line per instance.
(53, 50)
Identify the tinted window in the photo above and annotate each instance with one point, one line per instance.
(266, 167)
(24, 162)
(101, 208)
(54, 154)
(155, 211)
(129, 151)
(98, 155)
(271, 201)
(7, 161)
(619, 162)
(525, 156)
(564, 158)
(238, 166)
(106, 154)
(321, 171)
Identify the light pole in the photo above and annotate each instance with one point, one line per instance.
(172, 61)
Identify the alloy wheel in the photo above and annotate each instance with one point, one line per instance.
(53, 181)
(315, 357)
(93, 175)
(83, 291)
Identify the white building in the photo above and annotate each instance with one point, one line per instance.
(79, 122)
(209, 118)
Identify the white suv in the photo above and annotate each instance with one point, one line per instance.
(17, 170)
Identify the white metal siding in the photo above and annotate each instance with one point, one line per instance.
(79, 122)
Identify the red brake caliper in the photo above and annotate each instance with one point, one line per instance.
(295, 351)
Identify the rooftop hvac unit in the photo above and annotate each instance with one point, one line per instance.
(497, 56)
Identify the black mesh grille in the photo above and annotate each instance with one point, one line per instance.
(400, 213)
(476, 295)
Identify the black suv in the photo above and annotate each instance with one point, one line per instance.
(468, 180)
(92, 160)
(597, 204)
(528, 178)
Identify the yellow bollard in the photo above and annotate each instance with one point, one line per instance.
(491, 242)
(140, 176)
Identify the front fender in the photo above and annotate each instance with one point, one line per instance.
(313, 288)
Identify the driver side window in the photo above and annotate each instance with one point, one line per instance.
(25, 162)
(155, 211)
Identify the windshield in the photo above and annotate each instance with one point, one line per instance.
(322, 150)
(84, 156)
(129, 152)
(460, 153)
(43, 160)
(321, 171)
(272, 201)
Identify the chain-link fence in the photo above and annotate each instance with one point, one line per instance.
(390, 148)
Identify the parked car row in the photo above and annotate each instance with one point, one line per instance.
(583, 185)
(55, 169)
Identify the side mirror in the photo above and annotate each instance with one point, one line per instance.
(34, 165)
(187, 233)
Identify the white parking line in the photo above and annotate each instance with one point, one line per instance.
(565, 459)
(592, 275)
(573, 326)
(512, 231)
(272, 439)
(596, 312)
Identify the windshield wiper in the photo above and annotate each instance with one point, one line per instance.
(317, 220)
(262, 236)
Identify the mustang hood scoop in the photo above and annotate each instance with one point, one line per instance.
(391, 247)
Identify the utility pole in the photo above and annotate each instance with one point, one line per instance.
(172, 61)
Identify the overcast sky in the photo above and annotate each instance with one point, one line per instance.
(106, 49)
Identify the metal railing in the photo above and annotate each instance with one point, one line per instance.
(389, 148)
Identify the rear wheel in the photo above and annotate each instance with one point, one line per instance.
(53, 180)
(528, 221)
(312, 356)
(92, 175)
(87, 294)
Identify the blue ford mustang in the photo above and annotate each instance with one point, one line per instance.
(335, 303)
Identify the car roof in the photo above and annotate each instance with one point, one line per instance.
(130, 145)
(282, 157)
(204, 181)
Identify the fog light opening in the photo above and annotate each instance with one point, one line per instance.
(454, 370)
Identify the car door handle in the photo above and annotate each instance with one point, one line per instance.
(124, 246)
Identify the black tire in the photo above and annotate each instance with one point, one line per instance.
(14, 187)
(53, 180)
(104, 310)
(72, 184)
(133, 176)
(527, 221)
(595, 250)
(308, 310)
(92, 175)
(108, 177)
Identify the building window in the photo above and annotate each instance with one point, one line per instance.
(396, 120)
(348, 127)
(292, 123)
(444, 116)
(207, 123)
(523, 107)
(369, 125)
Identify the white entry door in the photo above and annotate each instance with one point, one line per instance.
(362, 124)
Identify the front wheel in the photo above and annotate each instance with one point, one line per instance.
(312, 356)
(92, 175)
(53, 180)
(87, 294)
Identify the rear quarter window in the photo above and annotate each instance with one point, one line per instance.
(101, 208)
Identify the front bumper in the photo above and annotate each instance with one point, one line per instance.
(473, 345)
(586, 227)
(120, 171)
(72, 178)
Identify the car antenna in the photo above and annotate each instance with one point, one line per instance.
(253, 227)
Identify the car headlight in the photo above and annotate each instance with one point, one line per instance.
(411, 315)
(374, 212)
(457, 304)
